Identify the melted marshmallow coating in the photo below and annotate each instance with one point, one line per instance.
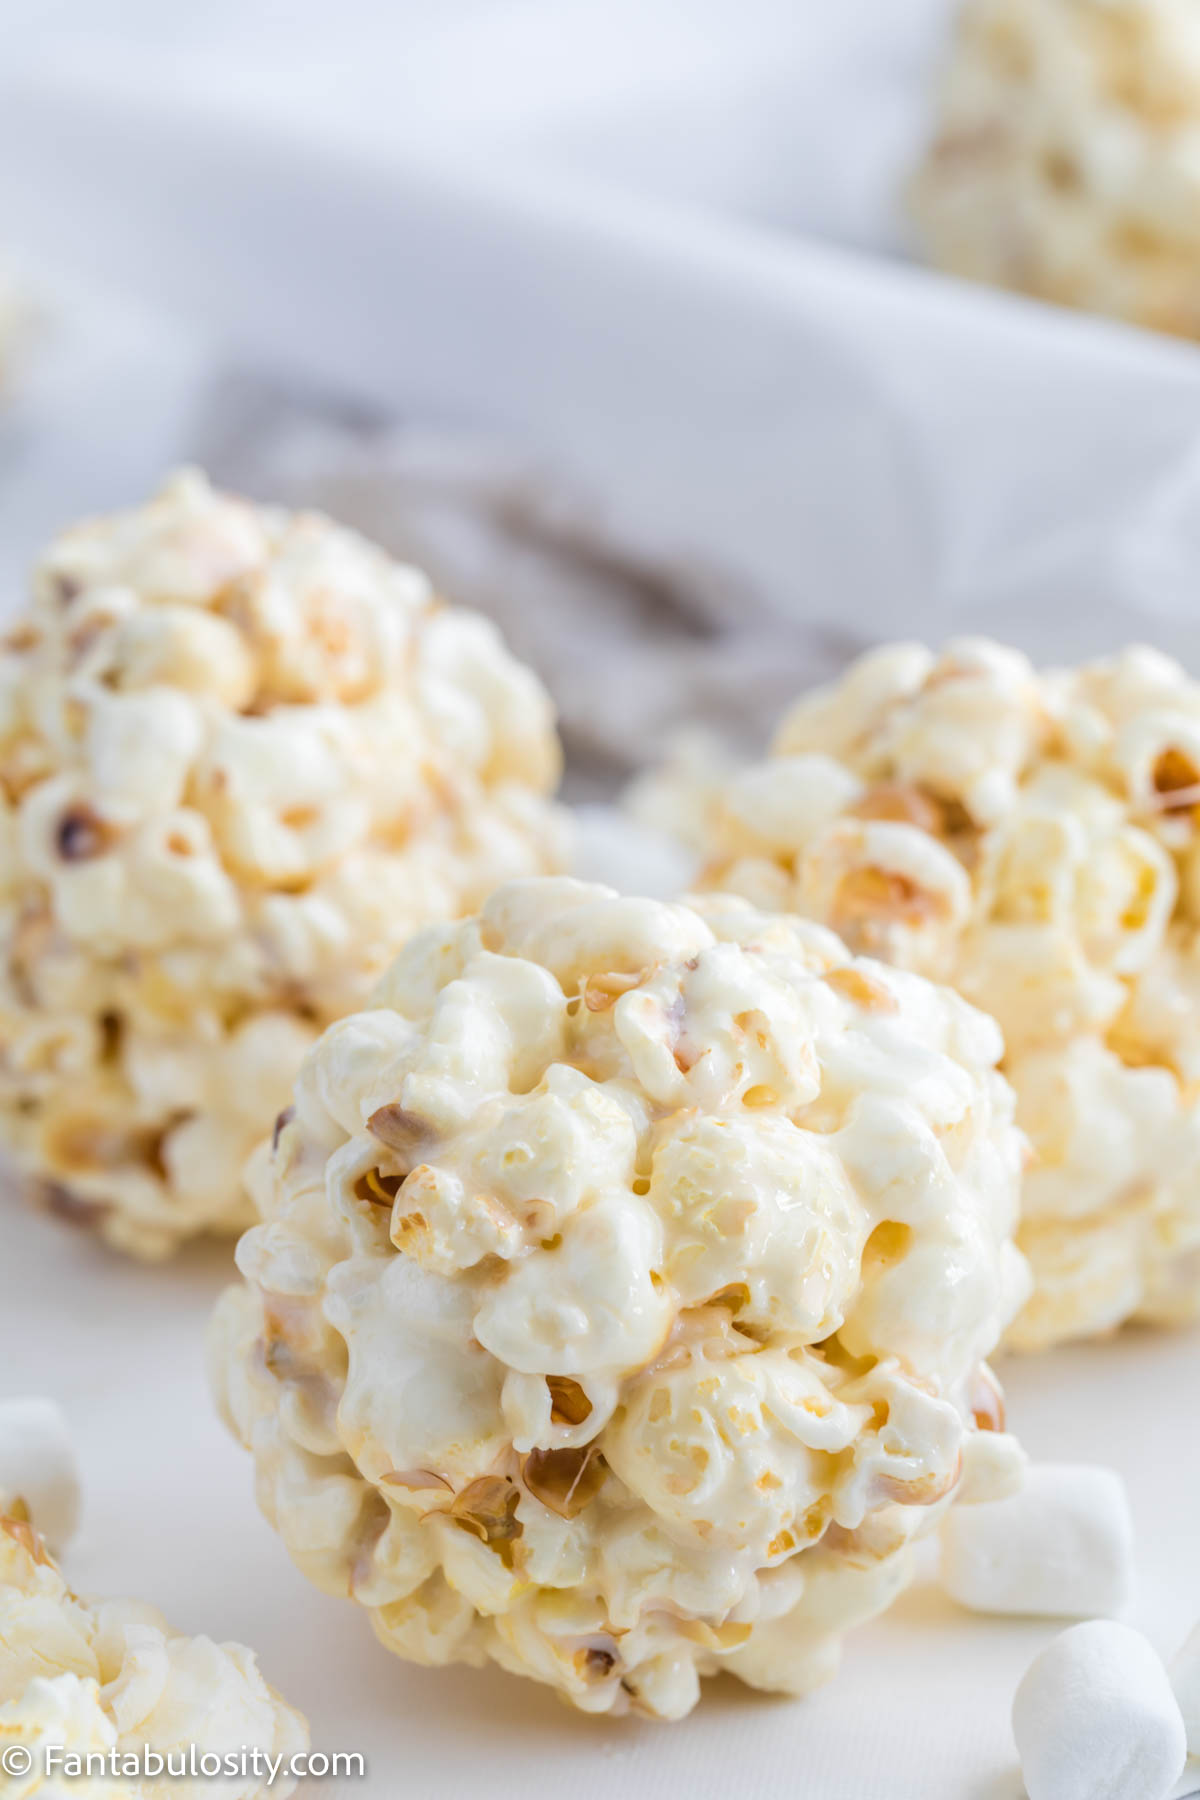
(1031, 838)
(619, 1303)
(1066, 158)
(105, 1675)
(243, 755)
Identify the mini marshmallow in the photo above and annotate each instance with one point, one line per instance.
(994, 1468)
(1095, 1719)
(38, 1467)
(1061, 1547)
(1185, 1679)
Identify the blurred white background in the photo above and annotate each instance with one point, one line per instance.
(793, 111)
(596, 311)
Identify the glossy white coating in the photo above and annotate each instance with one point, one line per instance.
(619, 1305)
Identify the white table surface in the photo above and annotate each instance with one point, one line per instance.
(919, 1712)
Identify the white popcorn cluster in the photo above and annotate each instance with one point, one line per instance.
(620, 1298)
(243, 754)
(1066, 160)
(1032, 839)
(109, 1675)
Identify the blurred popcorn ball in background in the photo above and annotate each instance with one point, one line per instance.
(243, 754)
(1066, 160)
(619, 1307)
(1032, 838)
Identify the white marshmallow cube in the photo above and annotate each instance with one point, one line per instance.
(38, 1467)
(1061, 1547)
(1185, 1679)
(1095, 1718)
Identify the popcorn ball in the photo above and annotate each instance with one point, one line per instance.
(1031, 838)
(619, 1303)
(1066, 159)
(243, 754)
(109, 1678)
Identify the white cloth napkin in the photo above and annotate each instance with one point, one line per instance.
(797, 111)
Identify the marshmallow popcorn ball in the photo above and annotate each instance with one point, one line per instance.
(1066, 159)
(620, 1300)
(1031, 838)
(243, 754)
(109, 1678)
